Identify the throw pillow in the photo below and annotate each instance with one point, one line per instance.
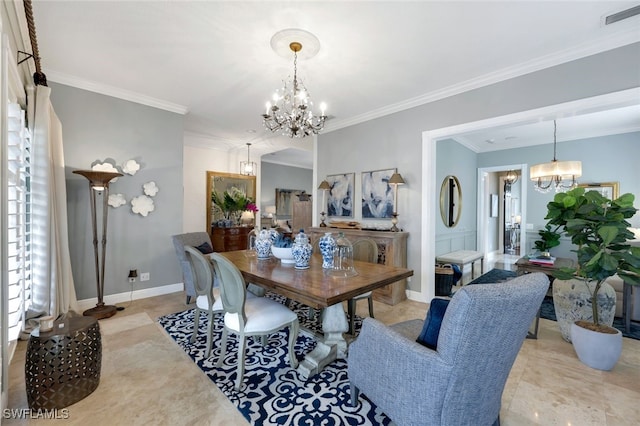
(205, 248)
(431, 329)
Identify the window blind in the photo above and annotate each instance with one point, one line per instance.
(18, 219)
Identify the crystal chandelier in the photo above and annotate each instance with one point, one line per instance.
(248, 168)
(558, 175)
(291, 111)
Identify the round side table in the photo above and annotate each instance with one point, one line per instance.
(63, 365)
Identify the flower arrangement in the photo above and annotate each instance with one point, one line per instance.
(233, 201)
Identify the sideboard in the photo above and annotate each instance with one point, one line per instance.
(229, 239)
(392, 250)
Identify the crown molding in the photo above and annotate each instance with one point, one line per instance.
(619, 39)
(115, 92)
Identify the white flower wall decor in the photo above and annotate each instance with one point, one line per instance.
(106, 167)
(130, 167)
(142, 205)
(150, 188)
(117, 200)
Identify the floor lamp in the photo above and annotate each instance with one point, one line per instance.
(99, 182)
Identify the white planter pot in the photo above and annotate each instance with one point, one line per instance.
(572, 302)
(597, 350)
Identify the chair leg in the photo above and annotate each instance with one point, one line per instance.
(223, 348)
(355, 393)
(196, 318)
(293, 336)
(351, 308)
(370, 300)
(188, 299)
(209, 334)
(241, 355)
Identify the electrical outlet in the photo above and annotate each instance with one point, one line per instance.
(132, 280)
(144, 276)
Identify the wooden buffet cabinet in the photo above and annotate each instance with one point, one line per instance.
(392, 250)
(229, 239)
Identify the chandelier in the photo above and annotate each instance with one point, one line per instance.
(248, 168)
(291, 112)
(558, 175)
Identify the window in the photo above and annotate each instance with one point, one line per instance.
(19, 243)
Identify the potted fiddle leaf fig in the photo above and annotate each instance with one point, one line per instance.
(598, 227)
(549, 238)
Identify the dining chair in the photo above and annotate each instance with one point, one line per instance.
(207, 294)
(259, 316)
(194, 239)
(364, 250)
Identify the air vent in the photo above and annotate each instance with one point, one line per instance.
(619, 16)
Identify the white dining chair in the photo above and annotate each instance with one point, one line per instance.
(259, 316)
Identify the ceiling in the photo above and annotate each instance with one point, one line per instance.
(212, 60)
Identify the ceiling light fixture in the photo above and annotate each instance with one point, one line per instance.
(511, 177)
(248, 168)
(291, 112)
(559, 175)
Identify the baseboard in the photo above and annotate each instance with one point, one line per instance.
(127, 296)
(416, 296)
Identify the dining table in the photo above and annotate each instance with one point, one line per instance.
(318, 288)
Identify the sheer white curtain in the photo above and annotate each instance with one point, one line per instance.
(53, 292)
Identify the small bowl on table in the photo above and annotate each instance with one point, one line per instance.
(285, 254)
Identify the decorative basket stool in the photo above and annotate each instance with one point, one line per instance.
(444, 280)
(62, 366)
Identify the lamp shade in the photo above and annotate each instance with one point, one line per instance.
(324, 185)
(564, 169)
(396, 179)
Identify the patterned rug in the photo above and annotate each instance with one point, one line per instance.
(272, 392)
(547, 310)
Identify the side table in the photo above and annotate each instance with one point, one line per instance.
(63, 365)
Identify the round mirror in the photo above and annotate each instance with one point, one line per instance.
(450, 201)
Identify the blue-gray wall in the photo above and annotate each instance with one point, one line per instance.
(396, 140)
(283, 177)
(98, 128)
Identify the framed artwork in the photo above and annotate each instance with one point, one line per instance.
(377, 194)
(340, 195)
(607, 189)
(284, 201)
(494, 205)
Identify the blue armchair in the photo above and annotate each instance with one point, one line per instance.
(461, 382)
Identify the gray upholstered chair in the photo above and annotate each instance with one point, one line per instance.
(207, 296)
(194, 239)
(461, 382)
(257, 316)
(364, 250)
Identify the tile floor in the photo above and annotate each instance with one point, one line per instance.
(146, 379)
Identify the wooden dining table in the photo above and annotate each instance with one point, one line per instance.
(319, 289)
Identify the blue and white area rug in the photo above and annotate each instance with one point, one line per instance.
(273, 393)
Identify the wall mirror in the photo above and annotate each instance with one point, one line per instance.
(450, 201)
(221, 182)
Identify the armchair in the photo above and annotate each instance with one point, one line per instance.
(461, 382)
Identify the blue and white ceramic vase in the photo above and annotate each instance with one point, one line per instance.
(263, 245)
(301, 250)
(327, 245)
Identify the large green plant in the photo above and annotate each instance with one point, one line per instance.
(598, 227)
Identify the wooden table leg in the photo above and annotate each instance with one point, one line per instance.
(334, 325)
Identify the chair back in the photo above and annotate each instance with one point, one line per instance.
(482, 332)
(365, 250)
(232, 285)
(201, 270)
(193, 239)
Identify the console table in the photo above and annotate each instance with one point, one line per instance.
(230, 239)
(392, 251)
